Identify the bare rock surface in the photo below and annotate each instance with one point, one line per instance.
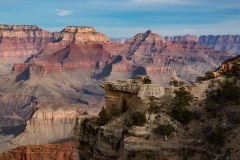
(230, 43)
(65, 151)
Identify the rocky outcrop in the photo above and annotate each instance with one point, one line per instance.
(15, 107)
(72, 48)
(50, 123)
(116, 141)
(65, 151)
(229, 68)
(81, 34)
(187, 37)
(22, 40)
(188, 58)
(230, 43)
(76, 48)
(20, 43)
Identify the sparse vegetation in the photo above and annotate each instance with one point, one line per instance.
(226, 92)
(232, 68)
(147, 80)
(138, 119)
(176, 83)
(208, 75)
(114, 111)
(164, 130)
(183, 98)
(104, 117)
(181, 115)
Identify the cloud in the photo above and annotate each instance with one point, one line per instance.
(158, 1)
(62, 12)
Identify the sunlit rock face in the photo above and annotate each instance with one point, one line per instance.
(78, 34)
(188, 58)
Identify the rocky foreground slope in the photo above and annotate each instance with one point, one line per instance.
(204, 130)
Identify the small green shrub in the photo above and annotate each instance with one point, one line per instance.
(181, 115)
(227, 91)
(147, 80)
(138, 119)
(176, 83)
(124, 105)
(208, 75)
(164, 130)
(114, 111)
(182, 97)
(104, 117)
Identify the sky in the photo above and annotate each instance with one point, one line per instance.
(125, 18)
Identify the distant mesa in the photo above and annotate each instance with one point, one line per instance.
(18, 27)
(187, 37)
(78, 29)
(229, 43)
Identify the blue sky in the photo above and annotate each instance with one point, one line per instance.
(125, 18)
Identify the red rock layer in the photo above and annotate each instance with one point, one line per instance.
(22, 41)
(77, 34)
(151, 48)
(65, 151)
(76, 48)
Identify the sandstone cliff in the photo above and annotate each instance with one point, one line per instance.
(189, 59)
(119, 140)
(50, 123)
(78, 34)
(20, 42)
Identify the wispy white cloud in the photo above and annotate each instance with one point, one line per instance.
(62, 12)
(159, 1)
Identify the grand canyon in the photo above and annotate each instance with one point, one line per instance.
(51, 82)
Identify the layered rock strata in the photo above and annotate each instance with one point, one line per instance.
(116, 141)
(19, 43)
(65, 151)
(50, 123)
(230, 43)
(189, 59)
(187, 37)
